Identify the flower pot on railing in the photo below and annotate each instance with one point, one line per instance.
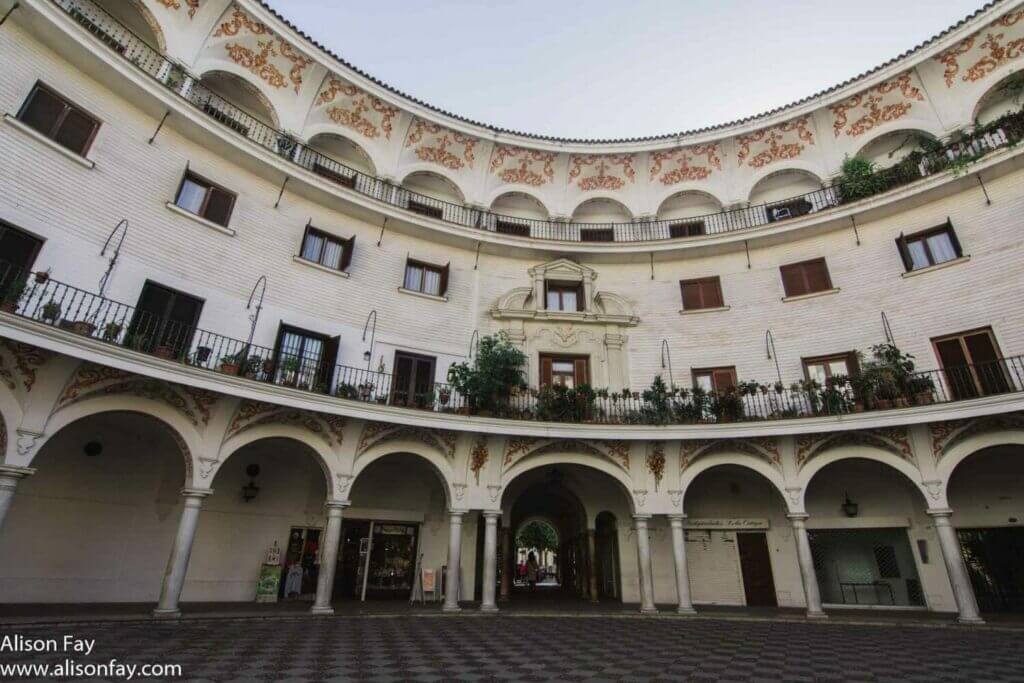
(81, 327)
(111, 331)
(164, 351)
(50, 312)
(444, 395)
(42, 276)
(228, 367)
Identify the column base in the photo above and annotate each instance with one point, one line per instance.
(321, 610)
(968, 621)
(685, 610)
(648, 610)
(451, 608)
(490, 609)
(166, 613)
(817, 615)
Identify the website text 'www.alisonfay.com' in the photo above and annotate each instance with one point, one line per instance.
(69, 657)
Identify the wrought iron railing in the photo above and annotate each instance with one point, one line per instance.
(41, 298)
(1007, 131)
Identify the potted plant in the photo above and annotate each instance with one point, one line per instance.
(50, 311)
(268, 367)
(365, 390)
(444, 394)
(42, 276)
(82, 327)
(922, 388)
(657, 400)
(230, 365)
(488, 382)
(834, 397)
(290, 371)
(726, 406)
(111, 331)
(346, 390)
(165, 351)
(12, 295)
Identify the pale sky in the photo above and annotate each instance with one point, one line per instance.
(625, 68)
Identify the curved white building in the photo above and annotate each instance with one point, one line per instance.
(236, 271)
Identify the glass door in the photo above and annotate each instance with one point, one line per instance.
(392, 560)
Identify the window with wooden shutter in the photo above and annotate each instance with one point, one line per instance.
(413, 380)
(702, 293)
(18, 251)
(716, 380)
(929, 247)
(58, 119)
(972, 364)
(823, 368)
(425, 278)
(805, 277)
(567, 371)
(327, 250)
(564, 296)
(205, 199)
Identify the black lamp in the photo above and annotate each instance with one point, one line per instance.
(850, 508)
(251, 490)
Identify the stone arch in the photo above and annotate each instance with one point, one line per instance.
(860, 452)
(438, 464)
(678, 193)
(900, 133)
(967, 447)
(321, 452)
(811, 173)
(326, 139)
(138, 19)
(537, 461)
(595, 200)
(10, 417)
(773, 475)
(181, 430)
(541, 209)
(237, 86)
(436, 175)
(998, 79)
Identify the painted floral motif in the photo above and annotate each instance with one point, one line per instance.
(768, 145)
(374, 433)
(193, 6)
(684, 160)
(992, 52)
(478, 457)
(258, 62)
(871, 107)
(602, 163)
(515, 446)
(432, 142)
(656, 462)
(353, 112)
(27, 359)
(532, 167)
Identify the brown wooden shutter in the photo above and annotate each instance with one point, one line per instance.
(579, 298)
(712, 291)
(402, 380)
(545, 371)
(691, 295)
(723, 379)
(346, 252)
(792, 280)
(42, 111)
(218, 206)
(75, 132)
(444, 279)
(328, 360)
(953, 238)
(581, 371)
(901, 245)
(817, 276)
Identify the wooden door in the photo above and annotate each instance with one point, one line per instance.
(756, 567)
(413, 381)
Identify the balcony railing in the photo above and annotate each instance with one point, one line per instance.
(39, 297)
(1007, 131)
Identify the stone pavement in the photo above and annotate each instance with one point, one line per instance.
(470, 647)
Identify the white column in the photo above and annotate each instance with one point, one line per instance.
(963, 592)
(452, 585)
(177, 564)
(807, 573)
(592, 564)
(682, 571)
(643, 549)
(328, 558)
(10, 475)
(490, 560)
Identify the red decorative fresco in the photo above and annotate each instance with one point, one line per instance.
(354, 112)
(992, 51)
(259, 62)
(602, 174)
(768, 145)
(523, 166)
(431, 143)
(871, 108)
(686, 163)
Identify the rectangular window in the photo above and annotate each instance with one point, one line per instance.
(822, 368)
(564, 296)
(929, 247)
(164, 321)
(567, 371)
(201, 197)
(425, 278)
(18, 252)
(972, 364)
(327, 250)
(806, 277)
(303, 359)
(718, 380)
(58, 119)
(687, 229)
(413, 381)
(701, 293)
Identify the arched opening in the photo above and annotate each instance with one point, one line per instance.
(135, 17)
(606, 537)
(868, 530)
(269, 493)
(986, 491)
(344, 150)
(783, 185)
(397, 523)
(97, 521)
(237, 102)
(565, 498)
(689, 204)
(739, 546)
(600, 210)
(1005, 97)
(433, 185)
(890, 149)
(519, 205)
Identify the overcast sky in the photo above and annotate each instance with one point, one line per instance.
(622, 68)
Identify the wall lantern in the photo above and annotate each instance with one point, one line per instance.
(850, 508)
(251, 490)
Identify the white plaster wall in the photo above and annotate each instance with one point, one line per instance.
(987, 489)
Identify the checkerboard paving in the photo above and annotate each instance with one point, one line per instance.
(547, 648)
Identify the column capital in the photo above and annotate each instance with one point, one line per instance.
(491, 514)
(198, 494)
(457, 514)
(16, 471)
(939, 513)
(337, 504)
(797, 516)
(676, 517)
(642, 517)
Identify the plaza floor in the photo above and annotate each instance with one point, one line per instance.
(526, 646)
